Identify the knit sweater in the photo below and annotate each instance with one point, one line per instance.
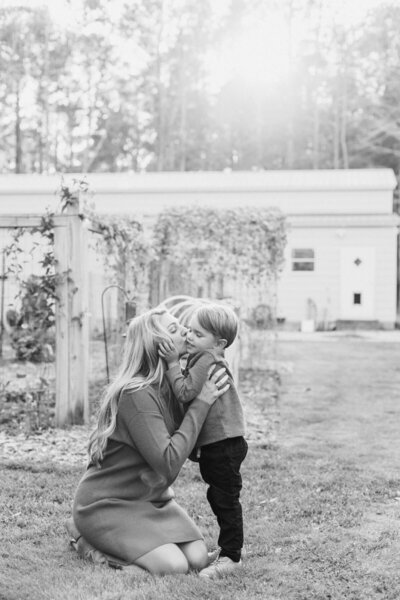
(145, 453)
(126, 508)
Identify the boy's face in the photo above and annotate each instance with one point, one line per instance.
(198, 339)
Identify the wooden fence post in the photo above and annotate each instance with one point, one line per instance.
(72, 331)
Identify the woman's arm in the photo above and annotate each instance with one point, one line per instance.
(163, 452)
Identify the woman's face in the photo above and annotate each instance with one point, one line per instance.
(176, 331)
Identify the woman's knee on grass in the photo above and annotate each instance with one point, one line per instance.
(164, 560)
(196, 554)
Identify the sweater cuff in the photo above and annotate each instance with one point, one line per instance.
(173, 372)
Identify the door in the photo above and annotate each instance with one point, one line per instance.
(357, 283)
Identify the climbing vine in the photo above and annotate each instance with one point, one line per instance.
(32, 324)
(202, 243)
(207, 247)
(125, 253)
(125, 250)
(237, 243)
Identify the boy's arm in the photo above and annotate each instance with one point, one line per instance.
(188, 388)
(169, 353)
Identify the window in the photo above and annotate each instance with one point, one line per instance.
(302, 259)
(356, 298)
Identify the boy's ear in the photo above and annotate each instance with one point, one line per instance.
(221, 343)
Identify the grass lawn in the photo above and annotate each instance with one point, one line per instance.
(322, 505)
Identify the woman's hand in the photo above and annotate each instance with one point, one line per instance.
(214, 386)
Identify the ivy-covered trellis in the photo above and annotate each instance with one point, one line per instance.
(59, 295)
(58, 298)
(203, 245)
(125, 252)
(209, 246)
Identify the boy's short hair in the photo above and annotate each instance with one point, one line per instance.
(220, 320)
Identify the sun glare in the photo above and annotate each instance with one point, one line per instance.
(257, 55)
(260, 53)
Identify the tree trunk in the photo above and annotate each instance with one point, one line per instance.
(71, 151)
(95, 153)
(183, 112)
(55, 155)
(316, 137)
(289, 158)
(343, 125)
(336, 134)
(260, 133)
(135, 151)
(18, 135)
(182, 136)
(44, 130)
(89, 120)
(290, 141)
(160, 97)
(220, 286)
(71, 139)
(40, 146)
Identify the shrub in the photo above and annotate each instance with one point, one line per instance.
(33, 345)
(32, 335)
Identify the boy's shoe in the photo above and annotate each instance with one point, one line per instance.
(222, 566)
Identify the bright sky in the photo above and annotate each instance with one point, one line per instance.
(59, 9)
(258, 54)
(63, 10)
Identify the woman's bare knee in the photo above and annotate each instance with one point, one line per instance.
(164, 560)
(196, 554)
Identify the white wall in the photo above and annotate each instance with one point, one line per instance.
(148, 204)
(335, 195)
(323, 284)
(344, 191)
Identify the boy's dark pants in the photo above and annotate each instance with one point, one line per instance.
(220, 468)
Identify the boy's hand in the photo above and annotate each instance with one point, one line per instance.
(168, 352)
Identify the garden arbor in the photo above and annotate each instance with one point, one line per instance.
(243, 245)
(72, 331)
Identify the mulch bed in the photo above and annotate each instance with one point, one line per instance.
(259, 391)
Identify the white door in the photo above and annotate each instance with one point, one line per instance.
(357, 283)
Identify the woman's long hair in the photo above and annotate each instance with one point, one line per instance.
(141, 366)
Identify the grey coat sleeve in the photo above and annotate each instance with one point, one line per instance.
(187, 388)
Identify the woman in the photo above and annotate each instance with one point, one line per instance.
(124, 506)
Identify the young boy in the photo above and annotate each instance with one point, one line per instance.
(221, 447)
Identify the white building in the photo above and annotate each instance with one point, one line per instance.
(342, 253)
